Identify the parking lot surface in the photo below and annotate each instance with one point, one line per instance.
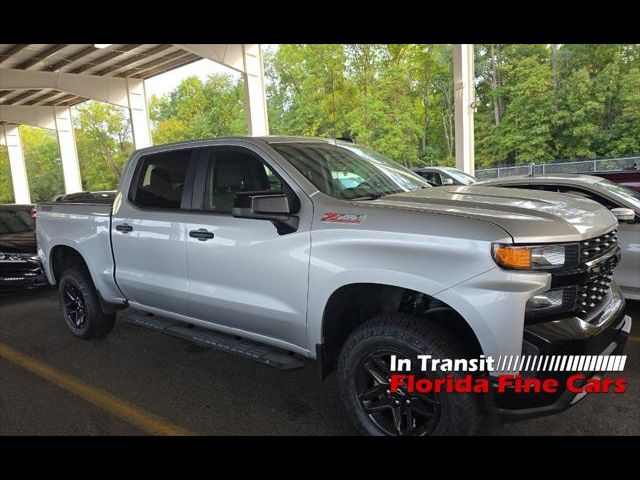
(138, 382)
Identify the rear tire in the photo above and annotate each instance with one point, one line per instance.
(81, 306)
(364, 359)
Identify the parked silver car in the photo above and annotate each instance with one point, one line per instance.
(438, 176)
(622, 201)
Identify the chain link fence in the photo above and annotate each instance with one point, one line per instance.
(580, 166)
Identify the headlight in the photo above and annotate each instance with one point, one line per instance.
(535, 257)
(17, 257)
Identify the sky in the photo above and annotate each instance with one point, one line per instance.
(163, 84)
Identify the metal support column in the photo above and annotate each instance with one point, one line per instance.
(254, 90)
(12, 140)
(463, 76)
(68, 152)
(138, 113)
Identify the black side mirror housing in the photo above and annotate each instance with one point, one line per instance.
(268, 205)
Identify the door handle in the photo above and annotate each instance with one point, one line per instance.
(201, 234)
(124, 228)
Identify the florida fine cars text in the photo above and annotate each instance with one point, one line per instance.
(481, 383)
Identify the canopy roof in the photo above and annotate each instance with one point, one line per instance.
(118, 60)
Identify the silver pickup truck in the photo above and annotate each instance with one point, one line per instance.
(278, 248)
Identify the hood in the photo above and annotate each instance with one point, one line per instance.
(21, 242)
(528, 216)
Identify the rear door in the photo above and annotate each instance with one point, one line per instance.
(244, 274)
(149, 231)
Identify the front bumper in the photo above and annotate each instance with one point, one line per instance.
(603, 334)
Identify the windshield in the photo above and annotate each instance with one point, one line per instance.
(462, 177)
(349, 172)
(16, 221)
(631, 196)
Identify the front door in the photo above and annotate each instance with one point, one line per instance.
(243, 273)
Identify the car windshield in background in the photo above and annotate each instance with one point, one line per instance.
(462, 177)
(16, 221)
(627, 194)
(349, 172)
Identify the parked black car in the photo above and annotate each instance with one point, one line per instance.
(19, 262)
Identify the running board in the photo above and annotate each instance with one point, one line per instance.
(271, 356)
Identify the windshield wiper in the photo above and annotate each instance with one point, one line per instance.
(376, 196)
(373, 196)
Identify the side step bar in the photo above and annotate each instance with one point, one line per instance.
(206, 338)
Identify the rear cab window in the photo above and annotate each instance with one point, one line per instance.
(161, 179)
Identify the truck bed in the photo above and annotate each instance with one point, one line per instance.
(85, 228)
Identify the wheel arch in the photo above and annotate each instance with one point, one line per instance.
(63, 257)
(352, 304)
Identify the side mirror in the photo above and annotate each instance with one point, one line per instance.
(267, 205)
(624, 214)
(447, 181)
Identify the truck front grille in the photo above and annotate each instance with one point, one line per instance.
(586, 282)
(597, 247)
(600, 256)
(591, 295)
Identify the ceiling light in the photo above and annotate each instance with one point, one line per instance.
(102, 45)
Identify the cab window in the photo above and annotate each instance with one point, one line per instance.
(161, 179)
(232, 170)
(431, 177)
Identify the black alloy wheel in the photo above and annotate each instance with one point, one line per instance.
(395, 413)
(75, 305)
(364, 379)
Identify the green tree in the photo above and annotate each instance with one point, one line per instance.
(6, 186)
(625, 127)
(42, 160)
(197, 109)
(578, 117)
(103, 142)
(523, 134)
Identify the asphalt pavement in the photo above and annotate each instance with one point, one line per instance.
(138, 382)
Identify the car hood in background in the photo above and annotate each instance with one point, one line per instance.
(22, 242)
(528, 216)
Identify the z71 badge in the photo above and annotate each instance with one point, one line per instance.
(350, 218)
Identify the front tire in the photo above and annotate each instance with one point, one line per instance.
(363, 370)
(81, 306)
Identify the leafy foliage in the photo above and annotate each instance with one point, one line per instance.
(6, 187)
(197, 109)
(582, 102)
(42, 158)
(104, 144)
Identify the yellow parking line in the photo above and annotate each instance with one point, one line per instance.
(139, 417)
